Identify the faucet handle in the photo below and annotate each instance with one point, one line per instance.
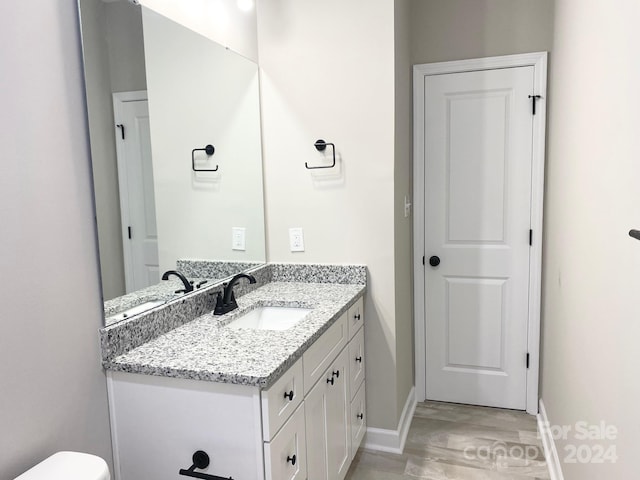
(219, 309)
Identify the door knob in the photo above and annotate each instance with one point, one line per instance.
(434, 261)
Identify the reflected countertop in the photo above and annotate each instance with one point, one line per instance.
(164, 290)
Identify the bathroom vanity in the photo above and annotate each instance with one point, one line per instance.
(262, 402)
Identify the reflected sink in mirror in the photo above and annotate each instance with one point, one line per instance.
(270, 318)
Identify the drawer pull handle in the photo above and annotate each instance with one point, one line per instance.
(292, 459)
(289, 395)
(359, 359)
(357, 317)
(336, 374)
(330, 380)
(360, 416)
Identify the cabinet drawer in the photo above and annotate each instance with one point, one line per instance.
(358, 419)
(285, 456)
(356, 316)
(356, 362)
(281, 400)
(323, 351)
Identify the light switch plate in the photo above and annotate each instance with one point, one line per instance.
(296, 239)
(407, 206)
(238, 238)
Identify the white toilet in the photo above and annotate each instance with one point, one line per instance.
(68, 466)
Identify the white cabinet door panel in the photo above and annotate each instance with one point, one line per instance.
(285, 455)
(358, 418)
(327, 423)
(356, 362)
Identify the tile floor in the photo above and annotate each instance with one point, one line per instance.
(462, 442)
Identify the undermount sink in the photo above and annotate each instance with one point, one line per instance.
(143, 307)
(270, 318)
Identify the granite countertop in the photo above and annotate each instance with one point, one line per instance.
(164, 291)
(205, 349)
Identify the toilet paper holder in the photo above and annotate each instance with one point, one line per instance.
(200, 460)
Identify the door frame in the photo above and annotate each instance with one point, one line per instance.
(538, 60)
(119, 99)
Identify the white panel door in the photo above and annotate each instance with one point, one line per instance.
(478, 158)
(137, 198)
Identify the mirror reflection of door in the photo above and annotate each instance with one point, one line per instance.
(135, 181)
(216, 98)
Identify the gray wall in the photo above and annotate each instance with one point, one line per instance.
(403, 270)
(591, 266)
(53, 393)
(123, 24)
(103, 146)
(114, 62)
(460, 29)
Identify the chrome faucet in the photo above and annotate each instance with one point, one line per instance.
(226, 301)
(188, 286)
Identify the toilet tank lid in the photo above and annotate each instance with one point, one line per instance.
(68, 466)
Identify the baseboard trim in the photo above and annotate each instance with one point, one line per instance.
(549, 445)
(392, 441)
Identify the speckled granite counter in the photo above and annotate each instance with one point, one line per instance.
(205, 349)
(164, 291)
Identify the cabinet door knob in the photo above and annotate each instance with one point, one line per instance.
(330, 380)
(357, 317)
(336, 374)
(359, 359)
(292, 459)
(360, 416)
(289, 395)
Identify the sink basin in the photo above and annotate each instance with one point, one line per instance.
(143, 307)
(270, 318)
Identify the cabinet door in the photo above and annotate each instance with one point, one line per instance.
(285, 455)
(328, 426)
(358, 420)
(356, 362)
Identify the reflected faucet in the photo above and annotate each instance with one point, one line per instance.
(226, 301)
(188, 286)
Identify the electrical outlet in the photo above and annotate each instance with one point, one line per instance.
(238, 238)
(296, 239)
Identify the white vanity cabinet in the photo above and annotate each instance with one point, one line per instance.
(306, 425)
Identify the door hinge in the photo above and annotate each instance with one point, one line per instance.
(530, 237)
(121, 127)
(527, 360)
(534, 98)
(423, 259)
(129, 232)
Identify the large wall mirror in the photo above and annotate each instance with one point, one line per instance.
(174, 120)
